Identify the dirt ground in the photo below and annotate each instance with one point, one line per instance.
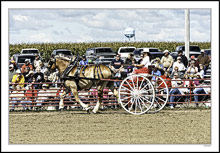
(192, 126)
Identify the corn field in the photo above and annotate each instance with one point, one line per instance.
(47, 48)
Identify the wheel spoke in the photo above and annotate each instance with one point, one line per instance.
(126, 88)
(143, 103)
(127, 103)
(145, 99)
(129, 85)
(139, 104)
(131, 104)
(133, 82)
(144, 86)
(141, 83)
(126, 97)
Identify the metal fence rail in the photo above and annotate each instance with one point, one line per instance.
(50, 97)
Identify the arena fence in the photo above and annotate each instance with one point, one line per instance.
(30, 97)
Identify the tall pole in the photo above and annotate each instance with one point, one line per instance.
(187, 32)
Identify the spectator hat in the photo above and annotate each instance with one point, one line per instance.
(178, 57)
(18, 71)
(202, 50)
(83, 56)
(166, 51)
(11, 65)
(145, 50)
(31, 72)
(118, 55)
(27, 60)
(192, 57)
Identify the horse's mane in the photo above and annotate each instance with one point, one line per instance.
(62, 58)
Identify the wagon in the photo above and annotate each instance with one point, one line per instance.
(143, 93)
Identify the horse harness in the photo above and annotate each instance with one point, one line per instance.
(76, 76)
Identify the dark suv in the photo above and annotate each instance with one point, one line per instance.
(106, 54)
(193, 51)
(20, 59)
(65, 52)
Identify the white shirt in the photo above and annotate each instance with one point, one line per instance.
(146, 61)
(181, 66)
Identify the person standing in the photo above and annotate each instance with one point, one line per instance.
(11, 72)
(204, 60)
(39, 77)
(184, 59)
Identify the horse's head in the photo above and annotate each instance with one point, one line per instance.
(52, 64)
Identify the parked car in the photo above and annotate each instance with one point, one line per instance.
(20, 59)
(105, 54)
(155, 52)
(30, 51)
(64, 52)
(194, 50)
(124, 51)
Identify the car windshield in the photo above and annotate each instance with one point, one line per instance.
(137, 51)
(30, 51)
(64, 52)
(127, 50)
(153, 50)
(104, 50)
(192, 48)
(23, 58)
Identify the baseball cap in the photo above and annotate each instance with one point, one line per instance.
(192, 57)
(202, 51)
(11, 65)
(18, 71)
(27, 60)
(166, 51)
(117, 55)
(178, 57)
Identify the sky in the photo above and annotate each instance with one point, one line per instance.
(106, 25)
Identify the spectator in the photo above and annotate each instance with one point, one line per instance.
(155, 72)
(184, 59)
(27, 74)
(157, 63)
(195, 79)
(141, 59)
(129, 59)
(117, 67)
(201, 89)
(131, 68)
(204, 60)
(167, 61)
(39, 77)
(12, 61)
(143, 67)
(192, 58)
(166, 77)
(34, 83)
(180, 65)
(18, 78)
(84, 61)
(177, 89)
(201, 71)
(175, 70)
(37, 62)
(192, 70)
(47, 82)
(26, 64)
(11, 72)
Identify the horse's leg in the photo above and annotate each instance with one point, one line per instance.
(61, 104)
(100, 95)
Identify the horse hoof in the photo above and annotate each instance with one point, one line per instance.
(61, 109)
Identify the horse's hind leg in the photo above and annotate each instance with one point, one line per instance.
(112, 88)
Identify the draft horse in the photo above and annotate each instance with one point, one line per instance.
(84, 78)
